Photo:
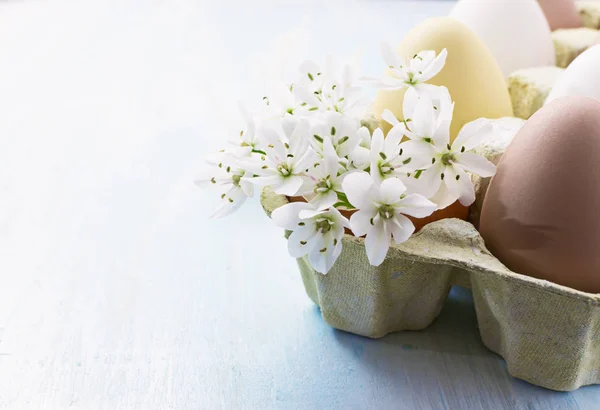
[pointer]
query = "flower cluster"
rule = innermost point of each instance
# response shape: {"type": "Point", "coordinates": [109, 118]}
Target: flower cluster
{"type": "Point", "coordinates": [308, 142]}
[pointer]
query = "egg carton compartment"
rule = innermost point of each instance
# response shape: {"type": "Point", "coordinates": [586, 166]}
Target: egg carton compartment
{"type": "Point", "coordinates": [529, 88]}
{"type": "Point", "coordinates": [570, 42]}
{"type": "Point", "coordinates": [548, 334]}
{"type": "Point", "coordinates": [590, 13]}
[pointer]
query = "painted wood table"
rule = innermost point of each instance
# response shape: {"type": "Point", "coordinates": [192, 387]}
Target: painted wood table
{"type": "Point", "coordinates": [117, 291]}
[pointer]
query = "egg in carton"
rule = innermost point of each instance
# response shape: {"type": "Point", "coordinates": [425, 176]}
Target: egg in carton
{"type": "Point", "coordinates": [548, 334]}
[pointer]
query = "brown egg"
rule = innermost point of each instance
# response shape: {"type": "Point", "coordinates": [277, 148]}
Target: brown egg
{"type": "Point", "coordinates": [541, 214]}
{"type": "Point", "coordinates": [561, 13]}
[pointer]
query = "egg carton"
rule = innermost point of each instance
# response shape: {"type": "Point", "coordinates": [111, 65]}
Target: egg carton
{"type": "Point", "coordinates": [570, 42]}
{"type": "Point", "coordinates": [590, 13]}
{"type": "Point", "coordinates": [548, 334]}
{"type": "Point", "coordinates": [529, 88]}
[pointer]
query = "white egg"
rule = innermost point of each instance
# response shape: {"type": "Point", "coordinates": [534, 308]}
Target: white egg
{"type": "Point", "coordinates": [516, 32]}
{"type": "Point", "coordinates": [582, 77]}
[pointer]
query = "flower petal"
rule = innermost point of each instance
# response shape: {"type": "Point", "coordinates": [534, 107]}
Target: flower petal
{"type": "Point", "coordinates": [422, 60]}
{"type": "Point", "coordinates": [264, 181]}
{"type": "Point", "coordinates": [318, 254]}
{"type": "Point", "coordinates": [321, 202]}
{"type": "Point", "coordinates": [473, 134]}
{"type": "Point", "coordinates": [423, 121]}
{"type": "Point", "coordinates": [231, 201]}
{"type": "Point", "coordinates": [299, 242]}
{"type": "Point", "coordinates": [389, 57]}
{"type": "Point", "coordinates": [389, 117]}
{"type": "Point", "coordinates": [305, 161]}
{"type": "Point", "coordinates": [393, 139]}
{"type": "Point", "coordinates": [308, 66]}
{"type": "Point", "coordinates": [247, 188]}
{"type": "Point", "coordinates": [357, 187]}
{"type": "Point", "coordinates": [373, 82]}
{"type": "Point", "coordinates": [401, 227]}
{"type": "Point", "coordinates": [364, 136]}
{"type": "Point", "coordinates": [441, 136]}
{"type": "Point", "coordinates": [476, 164]}
{"type": "Point", "coordinates": [305, 95]}
{"type": "Point", "coordinates": [330, 158]}
{"type": "Point", "coordinates": [360, 222]}
{"type": "Point", "coordinates": [391, 190]}
{"type": "Point", "coordinates": [227, 208]}
{"type": "Point", "coordinates": [269, 133]}
{"type": "Point", "coordinates": [377, 243]}
{"type": "Point", "coordinates": [420, 153]}
{"type": "Point", "coordinates": [360, 158]}
{"type": "Point", "coordinates": [442, 197]}
{"type": "Point", "coordinates": [416, 205]}
{"type": "Point", "coordinates": [435, 66]}
{"type": "Point", "coordinates": [392, 83]}
{"type": "Point", "coordinates": [377, 143]}
{"type": "Point", "coordinates": [459, 185]}
{"type": "Point", "coordinates": [411, 99]}
{"type": "Point", "coordinates": [289, 185]}
{"type": "Point", "coordinates": [334, 253]}
{"type": "Point", "coordinates": [287, 216]}
{"type": "Point", "coordinates": [340, 220]}
{"type": "Point", "coordinates": [443, 101]}
{"type": "Point", "coordinates": [430, 180]}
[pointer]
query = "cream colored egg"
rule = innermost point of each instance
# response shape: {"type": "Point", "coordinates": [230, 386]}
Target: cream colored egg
{"type": "Point", "coordinates": [516, 32]}
{"type": "Point", "coordinates": [471, 74]}
{"type": "Point", "coordinates": [582, 77]}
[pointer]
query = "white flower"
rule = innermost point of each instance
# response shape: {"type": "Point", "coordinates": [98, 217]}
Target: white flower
{"type": "Point", "coordinates": [360, 158]}
{"type": "Point", "coordinates": [228, 178]}
{"type": "Point", "coordinates": [311, 76]}
{"type": "Point", "coordinates": [341, 130]}
{"type": "Point", "coordinates": [287, 156]}
{"type": "Point", "coordinates": [322, 91]}
{"type": "Point", "coordinates": [427, 116]}
{"type": "Point", "coordinates": [325, 180]}
{"type": "Point", "coordinates": [381, 212]}
{"type": "Point", "coordinates": [248, 140]}
{"type": "Point", "coordinates": [389, 158]}
{"type": "Point", "coordinates": [283, 101]}
{"type": "Point", "coordinates": [421, 68]}
{"type": "Point", "coordinates": [317, 234]}
{"type": "Point", "coordinates": [444, 179]}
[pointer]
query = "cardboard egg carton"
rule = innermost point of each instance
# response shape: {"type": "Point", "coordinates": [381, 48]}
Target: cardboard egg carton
{"type": "Point", "coordinates": [590, 13]}
{"type": "Point", "coordinates": [570, 42]}
{"type": "Point", "coordinates": [548, 334]}
{"type": "Point", "coordinates": [529, 88]}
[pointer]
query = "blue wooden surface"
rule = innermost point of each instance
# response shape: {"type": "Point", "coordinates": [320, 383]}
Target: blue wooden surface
{"type": "Point", "coordinates": [118, 293]}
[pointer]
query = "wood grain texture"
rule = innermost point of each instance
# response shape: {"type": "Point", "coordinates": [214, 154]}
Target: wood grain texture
{"type": "Point", "coordinates": [118, 293]}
